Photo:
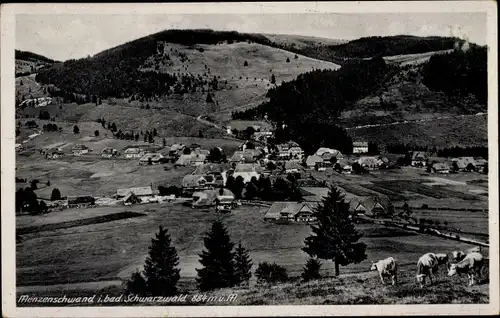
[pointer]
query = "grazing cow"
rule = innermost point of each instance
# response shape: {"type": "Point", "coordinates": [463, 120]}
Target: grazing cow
{"type": "Point", "coordinates": [442, 258]}
{"type": "Point", "coordinates": [458, 255]}
{"type": "Point", "coordinates": [386, 268]}
{"type": "Point", "coordinates": [471, 265]}
{"type": "Point", "coordinates": [427, 266]}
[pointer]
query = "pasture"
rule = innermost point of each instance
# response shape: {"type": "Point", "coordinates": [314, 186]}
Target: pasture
{"type": "Point", "coordinates": [111, 248]}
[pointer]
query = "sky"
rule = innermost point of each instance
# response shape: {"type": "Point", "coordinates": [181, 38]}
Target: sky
{"type": "Point", "coordinates": [64, 36]}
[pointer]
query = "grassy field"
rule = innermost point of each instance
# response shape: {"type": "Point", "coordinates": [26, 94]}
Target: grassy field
{"type": "Point", "coordinates": [113, 250]}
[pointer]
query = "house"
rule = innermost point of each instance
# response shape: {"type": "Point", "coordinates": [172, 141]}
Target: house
{"type": "Point", "coordinates": [222, 198]}
{"type": "Point", "coordinates": [374, 206]}
{"type": "Point", "coordinates": [215, 179]}
{"type": "Point", "coordinates": [289, 150]}
{"type": "Point", "coordinates": [131, 198]}
{"type": "Point", "coordinates": [54, 153]}
{"type": "Point", "coordinates": [134, 153]}
{"type": "Point", "coordinates": [197, 159]}
{"type": "Point", "coordinates": [247, 172]}
{"type": "Point", "coordinates": [480, 162]}
{"type": "Point", "coordinates": [246, 156]}
{"type": "Point", "coordinates": [81, 201]}
{"type": "Point", "coordinates": [140, 192]}
{"type": "Point", "coordinates": [312, 160]}
{"type": "Point", "coordinates": [327, 153]}
{"type": "Point", "coordinates": [194, 182]}
{"type": "Point", "coordinates": [262, 135]}
{"type": "Point", "coordinates": [323, 165]}
{"type": "Point", "coordinates": [347, 169]}
{"type": "Point", "coordinates": [360, 147]}
{"type": "Point", "coordinates": [204, 152]}
{"type": "Point", "coordinates": [463, 162]}
{"type": "Point", "coordinates": [370, 163]}
{"type": "Point", "coordinates": [176, 150]}
{"type": "Point", "coordinates": [419, 159]}
{"type": "Point", "coordinates": [441, 167]}
{"type": "Point", "coordinates": [109, 153]}
{"type": "Point", "coordinates": [292, 167]}
{"type": "Point", "coordinates": [79, 150]}
{"type": "Point", "coordinates": [183, 160]}
{"type": "Point", "coordinates": [151, 157]}
{"type": "Point", "coordinates": [290, 211]}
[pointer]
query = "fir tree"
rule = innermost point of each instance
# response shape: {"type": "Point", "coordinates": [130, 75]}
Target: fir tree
{"type": "Point", "coordinates": [243, 265]}
{"type": "Point", "coordinates": [161, 270]}
{"type": "Point", "coordinates": [334, 237]}
{"type": "Point", "coordinates": [136, 285]}
{"type": "Point", "coordinates": [311, 270]}
{"type": "Point", "coordinates": [76, 130]}
{"type": "Point", "coordinates": [217, 259]}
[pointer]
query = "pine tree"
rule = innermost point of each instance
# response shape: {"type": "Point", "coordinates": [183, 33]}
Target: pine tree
{"type": "Point", "coordinates": [311, 270]}
{"type": "Point", "coordinates": [273, 79]}
{"type": "Point", "coordinates": [218, 260]}
{"type": "Point", "coordinates": [243, 265]}
{"type": "Point", "coordinates": [76, 130]}
{"type": "Point", "coordinates": [161, 270]}
{"type": "Point", "coordinates": [334, 237]}
{"type": "Point", "coordinates": [56, 194]}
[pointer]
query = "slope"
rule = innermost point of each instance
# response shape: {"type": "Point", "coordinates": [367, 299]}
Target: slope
{"type": "Point", "coordinates": [28, 63]}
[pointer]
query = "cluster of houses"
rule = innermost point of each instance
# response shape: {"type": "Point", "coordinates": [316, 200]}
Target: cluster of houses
{"type": "Point", "coordinates": [444, 166]}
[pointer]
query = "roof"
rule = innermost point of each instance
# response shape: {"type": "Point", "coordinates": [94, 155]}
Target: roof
{"type": "Point", "coordinates": [246, 156]}
{"type": "Point", "coordinates": [131, 196]}
{"type": "Point", "coordinates": [177, 147]}
{"type": "Point", "coordinates": [245, 167]}
{"type": "Point", "coordinates": [419, 155]}
{"type": "Point", "coordinates": [247, 176]}
{"type": "Point", "coordinates": [311, 160]}
{"type": "Point", "coordinates": [293, 208]}
{"type": "Point", "coordinates": [137, 191]}
{"type": "Point", "coordinates": [462, 162]}
{"type": "Point", "coordinates": [369, 161]}
{"type": "Point", "coordinates": [209, 197]}
{"type": "Point", "coordinates": [191, 180]}
{"type": "Point", "coordinates": [203, 152]}
{"type": "Point", "coordinates": [360, 144]}
{"type": "Point", "coordinates": [314, 194]}
{"type": "Point", "coordinates": [369, 203]}
{"type": "Point", "coordinates": [197, 158]}
{"type": "Point", "coordinates": [79, 147]}
{"type": "Point", "coordinates": [292, 165]}
{"type": "Point", "coordinates": [184, 160]}
{"type": "Point", "coordinates": [133, 151]}
{"type": "Point", "coordinates": [153, 155]}
{"type": "Point", "coordinates": [441, 166]}
{"type": "Point", "coordinates": [333, 152]}
{"type": "Point", "coordinates": [211, 167]}
{"type": "Point", "coordinates": [288, 144]}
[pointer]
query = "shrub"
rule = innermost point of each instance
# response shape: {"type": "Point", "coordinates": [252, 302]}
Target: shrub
{"type": "Point", "coordinates": [56, 194]}
{"type": "Point", "coordinates": [270, 273]}
{"type": "Point", "coordinates": [311, 270]}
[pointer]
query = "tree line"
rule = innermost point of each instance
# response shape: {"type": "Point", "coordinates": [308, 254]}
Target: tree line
{"type": "Point", "coordinates": [457, 151]}
{"type": "Point", "coordinates": [333, 238]}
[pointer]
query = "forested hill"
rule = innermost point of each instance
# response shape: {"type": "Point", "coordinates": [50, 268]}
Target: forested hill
{"type": "Point", "coordinates": [27, 62]}
{"type": "Point", "coordinates": [29, 56]}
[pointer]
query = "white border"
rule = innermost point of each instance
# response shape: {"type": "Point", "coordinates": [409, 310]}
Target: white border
{"type": "Point", "coordinates": [7, 21]}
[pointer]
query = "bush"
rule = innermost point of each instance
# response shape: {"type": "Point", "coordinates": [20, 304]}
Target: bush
{"type": "Point", "coordinates": [56, 194]}
{"type": "Point", "coordinates": [311, 270]}
{"type": "Point", "coordinates": [270, 273]}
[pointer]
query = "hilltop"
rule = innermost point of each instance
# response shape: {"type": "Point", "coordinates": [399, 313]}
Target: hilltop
{"type": "Point", "coordinates": [28, 63]}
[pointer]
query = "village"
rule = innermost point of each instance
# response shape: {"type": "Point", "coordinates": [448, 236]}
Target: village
{"type": "Point", "coordinates": [279, 176]}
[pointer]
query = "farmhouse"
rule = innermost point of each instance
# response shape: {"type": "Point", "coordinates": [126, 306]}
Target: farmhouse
{"type": "Point", "coordinates": [463, 162]}
{"type": "Point", "coordinates": [360, 147]}
{"type": "Point", "coordinates": [134, 153]}
{"type": "Point", "coordinates": [312, 160]}
{"type": "Point", "coordinates": [194, 182]}
{"type": "Point", "coordinates": [291, 211]}
{"type": "Point", "coordinates": [131, 198]}
{"type": "Point", "coordinates": [54, 153]}
{"type": "Point", "coordinates": [140, 192]}
{"type": "Point", "coordinates": [292, 167]}
{"type": "Point", "coordinates": [246, 156]}
{"type": "Point", "coordinates": [198, 159]}
{"type": "Point", "coordinates": [370, 163]}
{"type": "Point", "coordinates": [419, 159]}
{"type": "Point", "coordinates": [327, 153]}
{"type": "Point", "coordinates": [79, 150]}
{"type": "Point", "coordinates": [176, 150]}
{"type": "Point", "coordinates": [480, 162]}
{"type": "Point", "coordinates": [222, 198]}
{"type": "Point", "coordinates": [109, 153]}
{"type": "Point", "coordinates": [374, 206]}
{"type": "Point", "coordinates": [247, 172]}
{"type": "Point", "coordinates": [290, 150]}
{"type": "Point", "coordinates": [441, 167]}
{"type": "Point", "coordinates": [81, 201]}
{"type": "Point", "coordinates": [152, 157]}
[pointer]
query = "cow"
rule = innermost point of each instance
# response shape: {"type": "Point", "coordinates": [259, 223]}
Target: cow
{"type": "Point", "coordinates": [442, 258]}
{"type": "Point", "coordinates": [458, 255]}
{"type": "Point", "coordinates": [472, 265]}
{"type": "Point", "coordinates": [427, 266]}
{"type": "Point", "coordinates": [386, 268]}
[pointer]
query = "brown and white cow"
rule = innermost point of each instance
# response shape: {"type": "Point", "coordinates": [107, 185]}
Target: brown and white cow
{"type": "Point", "coordinates": [386, 268]}
{"type": "Point", "coordinates": [458, 256]}
{"type": "Point", "coordinates": [470, 265]}
{"type": "Point", "coordinates": [427, 266]}
{"type": "Point", "coordinates": [442, 258]}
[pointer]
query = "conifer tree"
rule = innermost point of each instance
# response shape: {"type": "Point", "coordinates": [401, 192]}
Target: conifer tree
{"type": "Point", "coordinates": [160, 270]}
{"type": "Point", "coordinates": [311, 270]}
{"type": "Point", "coordinates": [334, 237]}
{"type": "Point", "coordinates": [217, 259]}
{"type": "Point", "coordinates": [243, 265]}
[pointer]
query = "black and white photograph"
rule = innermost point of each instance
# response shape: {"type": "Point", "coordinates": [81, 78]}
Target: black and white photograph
{"type": "Point", "coordinates": [198, 159]}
